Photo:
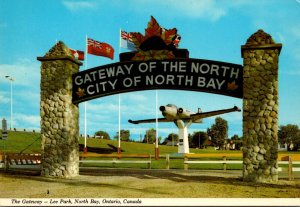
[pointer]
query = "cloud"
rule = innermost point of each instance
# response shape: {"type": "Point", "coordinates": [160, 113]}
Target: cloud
{"type": "Point", "coordinates": [233, 117]}
{"type": "Point", "coordinates": [135, 97]}
{"type": "Point", "coordinates": [26, 90]}
{"type": "Point", "coordinates": [4, 98]}
{"type": "Point", "coordinates": [204, 9]}
{"type": "Point", "coordinates": [28, 96]}
{"type": "Point", "coordinates": [75, 6]}
{"type": "Point", "coordinates": [291, 72]}
{"type": "Point", "coordinates": [24, 72]}
{"type": "Point", "coordinates": [26, 121]}
{"type": "Point", "coordinates": [208, 9]}
{"type": "Point", "coordinates": [295, 31]}
{"type": "Point", "coordinates": [103, 108]}
{"type": "Point", "coordinates": [279, 37]}
{"type": "Point", "coordinates": [103, 114]}
{"type": "Point", "coordinates": [294, 37]}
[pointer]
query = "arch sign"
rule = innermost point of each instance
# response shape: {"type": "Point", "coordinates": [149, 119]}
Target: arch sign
{"type": "Point", "coordinates": [158, 64]}
{"type": "Point", "coordinates": [178, 74]}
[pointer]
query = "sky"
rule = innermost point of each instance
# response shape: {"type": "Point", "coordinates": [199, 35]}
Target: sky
{"type": "Point", "coordinates": [210, 29]}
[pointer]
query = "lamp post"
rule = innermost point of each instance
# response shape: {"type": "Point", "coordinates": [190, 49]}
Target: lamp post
{"type": "Point", "coordinates": [11, 79]}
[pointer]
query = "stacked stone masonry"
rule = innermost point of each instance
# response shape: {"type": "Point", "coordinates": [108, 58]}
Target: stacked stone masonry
{"type": "Point", "coordinates": [59, 117]}
{"type": "Point", "coordinates": [260, 108]}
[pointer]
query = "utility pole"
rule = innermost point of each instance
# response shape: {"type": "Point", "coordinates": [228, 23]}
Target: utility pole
{"type": "Point", "coordinates": [11, 79]}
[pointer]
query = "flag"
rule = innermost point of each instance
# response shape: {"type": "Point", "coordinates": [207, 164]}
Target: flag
{"type": "Point", "coordinates": [99, 48]}
{"type": "Point", "coordinates": [126, 41]}
{"type": "Point", "coordinates": [79, 55]}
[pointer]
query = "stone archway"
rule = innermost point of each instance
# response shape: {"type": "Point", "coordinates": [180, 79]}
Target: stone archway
{"type": "Point", "coordinates": [260, 108]}
{"type": "Point", "coordinates": [59, 116]}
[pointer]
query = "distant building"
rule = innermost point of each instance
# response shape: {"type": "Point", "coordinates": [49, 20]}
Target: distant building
{"type": "Point", "coordinates": [282, 147]}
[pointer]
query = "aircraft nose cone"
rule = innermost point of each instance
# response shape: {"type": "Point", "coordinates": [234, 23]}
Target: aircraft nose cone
{"type": "Point", "coordinates": [162, 108]}
{"type": "Point", "coordinates": [236, 108]}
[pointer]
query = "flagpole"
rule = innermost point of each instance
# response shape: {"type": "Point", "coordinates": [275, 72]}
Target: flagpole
{"type": "Point", "coordinates": [119, 137]}
{"type": "Point", "coordinates": [156, 121]}
{"type": "Point", "coordinates": [119, 114]}
{"type": "Point", "coordinates": [85, 146]}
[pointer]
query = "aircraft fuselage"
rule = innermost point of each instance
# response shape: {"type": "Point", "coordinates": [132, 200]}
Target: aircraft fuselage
{"type": "Point", "coordinates": [173, 113]}
{"type": "Point", "coordinates": [183, 119]}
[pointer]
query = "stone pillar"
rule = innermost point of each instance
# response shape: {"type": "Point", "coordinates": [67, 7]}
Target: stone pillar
{"type": "Point", "coordinates": [260, 108]}
{"type": "Point", "coordinates": [59, 116]}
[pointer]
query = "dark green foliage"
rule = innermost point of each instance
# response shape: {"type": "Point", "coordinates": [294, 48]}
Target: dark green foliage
{"type": "Point", "coordinates": [102, 135]}
{"type": "Point", "coordinates": [171, 137]}
{"type": "Point", "coordinates": [289, 134]}
{"type": "Point", "coordinates": [218, 131]}
{"type": "Point", "coordinates": [198, 139]}
{"type": "Point", "coordinates": [150, 136]}
{"type": "Point", "coordinates": [125, 135]}
{"type": "Point", "coordinates": [237, 141]}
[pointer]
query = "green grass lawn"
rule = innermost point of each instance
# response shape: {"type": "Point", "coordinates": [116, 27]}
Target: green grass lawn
{"type": "Point", "coordinates": [29, 142]}
{"type": "Point", "coordinates": [143, 148]}
{"type": "Point", "coordinates": [21, 142]}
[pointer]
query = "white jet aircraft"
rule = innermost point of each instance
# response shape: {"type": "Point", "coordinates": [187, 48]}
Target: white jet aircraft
{"type": "Point", "coordinates": [183, 119]}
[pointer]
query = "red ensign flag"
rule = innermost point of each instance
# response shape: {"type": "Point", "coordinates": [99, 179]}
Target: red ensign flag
{"type": "Point", "coordinates": [79, 55]}
{"type": "Point", "coordinates": [99, 48]}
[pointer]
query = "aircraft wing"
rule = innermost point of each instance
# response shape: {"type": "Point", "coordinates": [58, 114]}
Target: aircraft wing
{"type": "Point", "coordinates": [148, 121]}
{"type": "Point", "coordinates": [202, 115]}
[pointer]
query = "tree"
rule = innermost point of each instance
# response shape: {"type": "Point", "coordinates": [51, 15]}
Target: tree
{"type": "Point", "coordinates": [171, 137]}
{"type": "Point", "coordinates": [218, 131]}
{"type": "Point", "coordinates": [150, 136]}
{"type": "Point", "coordinates": [198, 139]}
{"type": "Point", "coordinates": [102, 135]}
{"type": "Point", "coordinates": [125, 135]}
{"type": "Point", "coordinates": [289, 134]}
{"type": "Point", "coordinates": [237, 141]}
{"type": "Point", "coordinates": [235, 137]}
{"type": "Point", "coordinates": [159, 139]}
